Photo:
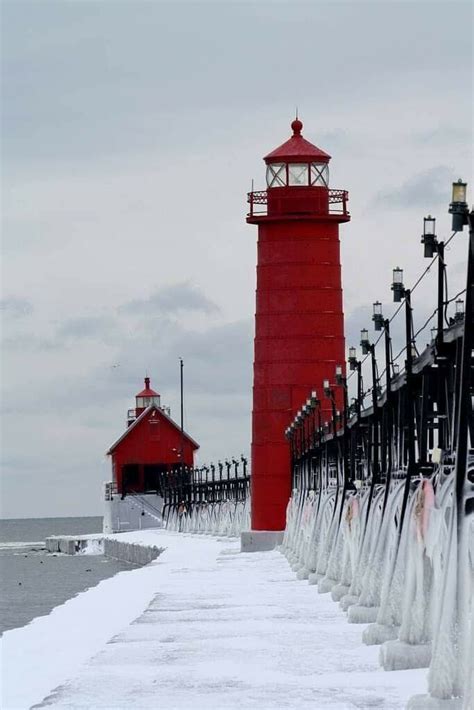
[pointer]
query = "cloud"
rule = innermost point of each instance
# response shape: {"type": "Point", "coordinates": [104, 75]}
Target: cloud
{"type": "Point", "coordinates": [30, 342]}
{"type": "Point", "coordinates": [91, 327]}
{"type": "Point", "coordinates": [443, 135]}
{"type": "Point", "coordinates": [426, 190]}
{"type": "Point", "coordinates": [172, 299]}
{"type": "Point", "coordinates": [16, 307]}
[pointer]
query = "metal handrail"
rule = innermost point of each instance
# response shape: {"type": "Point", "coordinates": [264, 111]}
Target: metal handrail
{"type": "Point", "coordinates": [335, 197]}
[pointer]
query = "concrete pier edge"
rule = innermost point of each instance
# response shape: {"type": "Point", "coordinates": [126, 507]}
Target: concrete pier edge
{"type": "Point", "coordinates": [133, 553]}
{"type": "Point", "coordinates": [260, 540]}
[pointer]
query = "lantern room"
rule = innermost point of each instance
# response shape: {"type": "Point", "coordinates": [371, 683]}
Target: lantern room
{"type": "Point", "coordinates": [146, 397]}
{"type": "Point", "coordinates": [297, 163]}
{"type": "Point", "coordinates": [297, 178]}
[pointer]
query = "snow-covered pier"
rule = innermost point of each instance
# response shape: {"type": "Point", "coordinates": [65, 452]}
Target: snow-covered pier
{"type": "Point", "coordinates": [110, 546]}
{"type": "Point", "coordinates": [202, 626]}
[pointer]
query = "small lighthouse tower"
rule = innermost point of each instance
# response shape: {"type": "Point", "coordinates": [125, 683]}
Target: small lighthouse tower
{"type": "Point", "coordinates": [299, 328]}
{"type": "Point", "coordinates": [143, 399]}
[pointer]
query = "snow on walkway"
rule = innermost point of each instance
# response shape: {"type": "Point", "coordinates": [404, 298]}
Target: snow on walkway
{"type": "Point", "coordinates": [219, 629]}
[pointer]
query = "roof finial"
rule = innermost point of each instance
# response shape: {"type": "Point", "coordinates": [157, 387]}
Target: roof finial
{"type": "Point", "coordinates": [296, 113]}
{"type": "Point", "coordinates": [297, 125]}
{"type": "Point", "coordinates": [147, 382]}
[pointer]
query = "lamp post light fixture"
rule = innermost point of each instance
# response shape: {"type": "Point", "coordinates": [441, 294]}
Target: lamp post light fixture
{"type": "Point", "coordinates": [458, 207]}
{"type": "Point", "coordinates": [459, 312]}
{"type": "Point", "coordinates": [396, 369]}
{"type": "Point", "coordinates": [429, 236]}
{"type": "Point", "coordinates": [341, 381]}
{"type": "Point", "coordinates": [434, 333]}
{"type": "Point", "coordinates": [326, 388]}
{"type": "Point", "coordinates": [352, 358]}
{"type": "Point", "coordinates": [328, 392]}
{"type": "Point", "coordinates": [377, 316]}
{"type": "Point", "coordinates": [397, 285]}
{"type": "Point", "coordinates": [364, 341]}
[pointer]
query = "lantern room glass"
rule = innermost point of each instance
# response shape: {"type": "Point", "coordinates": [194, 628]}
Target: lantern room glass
{"type": "Point", "coordinates": [276, 175]}
{"type": "Point", "coordinates": [319, 175]}
{"type": "Point", "coordinates": [298, 174]}
{"type": "Point", "coordinates": [144, 402]}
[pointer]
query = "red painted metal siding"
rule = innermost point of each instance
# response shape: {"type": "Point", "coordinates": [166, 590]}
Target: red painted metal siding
{"type": "Point", "coordinates": [299, 339]}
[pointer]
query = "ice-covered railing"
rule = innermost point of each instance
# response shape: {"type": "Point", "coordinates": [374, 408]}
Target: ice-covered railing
{"type": "Point", "coordinates": [225, 518]}
{"type": "Point", "coordinates": [210, 499]}
{"type": "Point", "coordinates": [413, 586]}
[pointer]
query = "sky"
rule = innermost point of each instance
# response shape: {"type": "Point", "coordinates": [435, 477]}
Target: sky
{"type": "Point", "coordinates": [131, 132]}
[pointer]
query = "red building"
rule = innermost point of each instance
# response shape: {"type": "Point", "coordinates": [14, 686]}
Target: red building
{"type": "Point", "coordinates": [152, 444]}
{"type": "Point", "coordinates": [299, 326]}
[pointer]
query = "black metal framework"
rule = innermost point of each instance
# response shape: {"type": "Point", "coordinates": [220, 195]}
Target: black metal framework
{"type": "Point", "coordinates": [228, 481]}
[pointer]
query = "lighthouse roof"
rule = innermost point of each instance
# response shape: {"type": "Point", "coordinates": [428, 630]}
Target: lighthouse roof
{"type": "Point", "coordinates": [297, 149]}
{"type": "Point", "coordinates": [145, 415]}
{"type": "Point", "coordinates": [147, 392]}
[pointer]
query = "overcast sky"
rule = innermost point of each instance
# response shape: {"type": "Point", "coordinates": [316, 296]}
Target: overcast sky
{"type": "Point", "coordinates": [131, 132]}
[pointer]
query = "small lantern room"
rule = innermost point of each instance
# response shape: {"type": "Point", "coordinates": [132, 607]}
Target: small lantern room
{"type": "Point", "coordinates": [297, 163]}
{"type": "Point", "coordinates": [146, 397]}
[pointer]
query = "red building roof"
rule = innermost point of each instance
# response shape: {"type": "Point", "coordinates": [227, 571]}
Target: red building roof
{"type": "Point", "coordinates": [147, 392]}
{"type": "Point", "coordinates": [142, 416]}
{"type": "Point", "coordinates": [297, 149]}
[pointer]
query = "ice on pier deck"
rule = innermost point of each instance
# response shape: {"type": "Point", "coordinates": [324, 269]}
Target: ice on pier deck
{"type": "Point", "coordinates": [220, 629]}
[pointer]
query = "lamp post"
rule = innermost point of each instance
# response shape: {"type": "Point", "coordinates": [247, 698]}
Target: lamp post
{"type": "Point", "coordinates": [433, 246]}
{"type": "Point", "coordinates": [383, 323]}
{"type": "Point", "coordinates": [461, 217]}
{"type": "Point", "coordinates": [399, 292]}
{"type": "Point", "coordinates": [355, 364]}
{"type": "Point", "coordinates": [329, 393]}
{"type": "Point", "coordinates": [368, 347]}
{"type": "Point", "coordinates": [181, 449]}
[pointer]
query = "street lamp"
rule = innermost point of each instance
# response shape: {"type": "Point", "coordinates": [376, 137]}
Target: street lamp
{"type": "Point", "coordinates": [352, 358]}
{"type": "Point", "coordinates": [458, 207]}
{"type": "Point", "coordinates": [459, 312]}
{"type": "Point", "coordinates": [377, 316]}
{"type": "Point", "coordinates": [429, 236]}
{"type": "Point", "coordinates": [397, 285]}
{"type": "Point", "coordinates": [364, 341]}
{"type": "Point", "coordinates": [326, 388]}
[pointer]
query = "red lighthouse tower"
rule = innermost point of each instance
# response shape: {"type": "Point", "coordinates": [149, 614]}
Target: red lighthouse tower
{"type": "Point", "coordinates": [299, 327]}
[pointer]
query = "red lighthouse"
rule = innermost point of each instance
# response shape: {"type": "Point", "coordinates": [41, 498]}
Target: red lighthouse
{"type": "Point", "coordinates": [299, 328]}
{"type": "Point", "coordinates": [151, 446]}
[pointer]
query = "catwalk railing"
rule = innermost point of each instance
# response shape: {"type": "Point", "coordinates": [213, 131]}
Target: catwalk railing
{"type": "Point", "coordinates": [382, 509]}
{"type": "Point", "coordinates": [210, 499]}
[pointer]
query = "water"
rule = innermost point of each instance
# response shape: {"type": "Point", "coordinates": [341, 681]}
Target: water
{"type": "Point", "coordinates": [32, 581]}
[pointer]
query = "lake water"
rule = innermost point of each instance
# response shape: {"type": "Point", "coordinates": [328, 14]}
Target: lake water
{"type": "Point", "coordinates": [32, 581]}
